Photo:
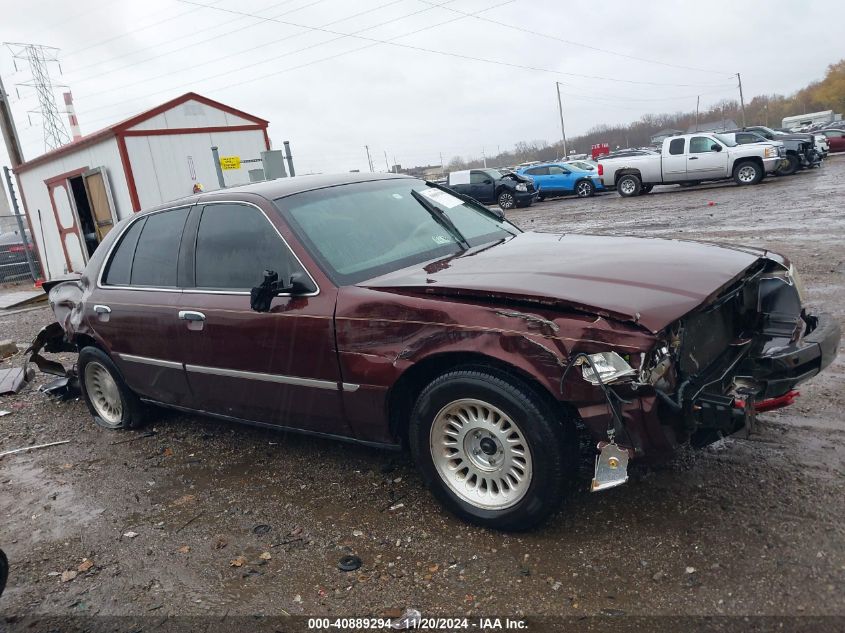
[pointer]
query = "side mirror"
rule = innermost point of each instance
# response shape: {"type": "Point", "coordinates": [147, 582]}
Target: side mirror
{"type": "Point", "coordinates": [261, 297]}
{"type": "Point", "coordinates": [715, 147]}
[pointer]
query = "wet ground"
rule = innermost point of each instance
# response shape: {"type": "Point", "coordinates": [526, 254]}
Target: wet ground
{"type": "Point", "coordinates": [192, 516]}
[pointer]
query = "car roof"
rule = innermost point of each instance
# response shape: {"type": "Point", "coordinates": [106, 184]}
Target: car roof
{"type": "Point", "coordinates": [282, 187]}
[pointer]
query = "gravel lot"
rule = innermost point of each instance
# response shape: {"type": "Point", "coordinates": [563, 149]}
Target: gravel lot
{"type": "Point", "coordinates": [747, 527]}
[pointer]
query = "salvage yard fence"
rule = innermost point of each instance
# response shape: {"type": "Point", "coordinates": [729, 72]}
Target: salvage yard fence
{"type": "Point", "coordinates": [18, 260]}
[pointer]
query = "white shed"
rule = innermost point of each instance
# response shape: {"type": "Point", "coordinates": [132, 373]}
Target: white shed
{"type": "Point", "coordinates": [74, 195]}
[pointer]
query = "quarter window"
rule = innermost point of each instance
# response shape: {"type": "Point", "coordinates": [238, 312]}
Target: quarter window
{"type": "Point", "coordinates": [119, 270]}
{"type": "Point", "coordinates": [235, 245]}
{"type": "Point", "coordinates": [676, 146]}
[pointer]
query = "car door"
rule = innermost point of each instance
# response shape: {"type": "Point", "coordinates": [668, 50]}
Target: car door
{"type": "Point", "coordinates": [482, 186]}
{"type": "Point", "coordinates": [131, 311]}
{"type": "Point", "coordinates": [675, 161]}
{"type": "Point", "coordinates": [836, 140]}
{"type": "Point", "coordinates": [561, 179]}
{"type": "Point", "coordinates": [540, 176]}
{"type": "Point", "coordinates": [278, 367]}
{"type": "Point", "coordinates": [704, 161]}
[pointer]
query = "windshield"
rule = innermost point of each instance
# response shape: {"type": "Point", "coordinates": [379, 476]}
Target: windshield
{"type": "Point", "coordinates": [726, 140]}
{"type": "Point", "coordinates": [361, 230]}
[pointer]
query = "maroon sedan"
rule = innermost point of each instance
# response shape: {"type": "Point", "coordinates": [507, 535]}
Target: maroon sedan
{"type": "Point", "coordinates": [386, 310]}
{"type": "Point", "coordinates": [835, 139]}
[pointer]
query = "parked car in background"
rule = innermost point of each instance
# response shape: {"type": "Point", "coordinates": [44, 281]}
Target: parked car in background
{"type": "Point", "coordinates": [690, 159]}
{"type": "Point", "coordinates": [491, 186]}
{"type": "Point", "coordinates": [786, 166]}
{"type": "Point", "coordinates": [13, 264]}
{"type": "Point", "coordinates": [586, 164]}
{"type": "Point", "coordinates": [558, 179]}
{"type": "Point", "coordinates": [399, 313]}
{"type": "Point", "coordinates": [835, 139]}
{"type": "Point", "coordinates": [813, 147]}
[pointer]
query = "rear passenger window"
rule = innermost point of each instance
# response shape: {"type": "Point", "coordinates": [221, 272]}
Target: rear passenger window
{"type": "Point", "coordinates": [157, 252]}
{"type": "Point", "coordinates": [235, 245]}
{"type": "Point", "coordinates": [120, 267]}
{"type": "Point", "coordinates": [676, 146]}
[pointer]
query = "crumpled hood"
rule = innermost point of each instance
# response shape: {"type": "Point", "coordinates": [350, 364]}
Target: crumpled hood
{"type": "Point", "coordinates": [651, 281]}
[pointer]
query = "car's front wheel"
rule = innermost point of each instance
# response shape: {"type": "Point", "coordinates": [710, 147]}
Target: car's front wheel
{"type": "Point", "coordinates": [506, 200]}
{"type": "Point", "coordinates": [110, 401]}
{"type": "Point", "coordinates": [491, 450]}
{"type": "Point", "coordinates": [788, 166]}
{"type": "Point", "coordinates": [585, 189]}
{"type": "Point", "coordinates": [748, 173]}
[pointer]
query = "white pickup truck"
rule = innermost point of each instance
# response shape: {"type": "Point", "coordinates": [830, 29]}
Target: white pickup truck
{"type": "Point", "coordinates": [690, 159]}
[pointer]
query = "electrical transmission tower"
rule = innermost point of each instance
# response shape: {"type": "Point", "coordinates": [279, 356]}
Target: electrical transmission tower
{"type": "Point", "coordinates": [39, 57]}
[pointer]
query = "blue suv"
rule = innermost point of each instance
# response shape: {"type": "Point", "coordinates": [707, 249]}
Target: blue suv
{"type": "Point", "coordinates": [556, 179]}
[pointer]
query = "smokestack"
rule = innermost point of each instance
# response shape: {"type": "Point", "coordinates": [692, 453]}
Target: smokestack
{"type": "Point", "coordinates": [71, 115]}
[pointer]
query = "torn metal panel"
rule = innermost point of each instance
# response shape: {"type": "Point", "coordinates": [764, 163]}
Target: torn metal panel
{"type": "Point", "coordinates": [531, 318]}
{"type": "Point", "coordinates": [12, 380]}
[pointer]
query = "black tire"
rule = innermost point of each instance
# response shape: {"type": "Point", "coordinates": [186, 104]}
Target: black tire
{"type": "Point", "coordinates": [789, 166]}
{"type": "Point", "coordinates": [506, 199]}
{"type": "Point", "coordinates": [552, 447]}
{"type": "Point", "coordinates": [647, 188]}
{"type": "Point", "coordinates": [748, 172]}
{"type": "Point", "coordinates": [97, 391]}
{"type": "Point", "coordinates": [629, 186]}
{"type": "Point", "coordinates": [4, 571]}
{"type": "Point", "coordinates": [540, 197]}
{"type": "Point", "coordinates": [585, 189]}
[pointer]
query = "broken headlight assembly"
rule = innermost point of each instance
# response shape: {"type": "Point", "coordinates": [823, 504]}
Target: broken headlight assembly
{"type": "Point", "coordinates": [610, 367]}
{"type": "Point", "coordinates": [522, 186]}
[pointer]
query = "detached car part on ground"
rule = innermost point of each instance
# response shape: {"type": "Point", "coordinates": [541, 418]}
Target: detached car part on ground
{"type": "Point", "coordinates": [491, 186]}
{"type": "Point", "coordinates": [394, 313]}
{"type": "Point", "coordinates": [691, 159]}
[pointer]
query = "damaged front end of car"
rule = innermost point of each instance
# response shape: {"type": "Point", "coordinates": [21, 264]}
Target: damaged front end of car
{"type": "Point", "coordinates": [710, 372]}
{"type": "Point", "coordinates": [66, 300]}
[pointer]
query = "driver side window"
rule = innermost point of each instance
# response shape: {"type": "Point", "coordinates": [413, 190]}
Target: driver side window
{"type": "Point", "coordinates": [700, 144]}
{"type": "Point", "coordinates": [478, 178]}
{"type": "Point", "coordinates": [554, 170]}
{"type": "Point", "coordinates": [235, 244]}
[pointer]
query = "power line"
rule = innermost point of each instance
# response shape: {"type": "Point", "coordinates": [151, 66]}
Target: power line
{"type": "Point", "coordinates": [229, 55]}
{"type": "Point", "coordinates": [438, 52]}
{"type": "Point", "coordinates": [216, 75]}
{"type": "Point", "coordinates": [138, 30]}
{"type": "Point", "coordinates": [99, 74]}
{"type": "Point", "coordinates": [580, 44]}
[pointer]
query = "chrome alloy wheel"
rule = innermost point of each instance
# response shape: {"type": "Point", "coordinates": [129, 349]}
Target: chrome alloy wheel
{"type": "Point", "coordinates": [583, 189]}
{"type": "Point", "coordinates": [506, 201]}
{"type": "Point", "coordinates": [628, 186]}
{"type": "Point", "coordinates": [104, 393]}
{"type": "Point", "coordinates": [480, 454]}
{"type": "Point", "coordinates": [746, 174]}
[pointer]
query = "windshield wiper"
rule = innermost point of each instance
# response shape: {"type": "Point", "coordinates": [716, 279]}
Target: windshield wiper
{"type": "Point", "coordinates": [441, 218]}
{"type": "Point", "coordinates": [497, 215]}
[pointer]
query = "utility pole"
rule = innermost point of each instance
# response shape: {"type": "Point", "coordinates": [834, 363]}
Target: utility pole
{"type": "Point", "coordinates": [484, 157]}
{"type": "Point", "coordinates": [562, 127]}
{"type": "Point", "coordinates": [386, 162]}
{"type": "Point", "coordinates": [369, 160]}
{"type": "Point", "coordinates": [8, 129]}
{"type": "Point", "coordinates": [741, 100]}
{"type": "Point", "coordinates": [697, 101]}
{"type": "Point", "coordinates": [38, 57]}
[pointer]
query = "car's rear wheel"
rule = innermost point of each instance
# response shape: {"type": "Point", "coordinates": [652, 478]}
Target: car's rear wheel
{"type": "Point", "coordinates": [110, 401]}
{"type": "Point", "coordinates": [788, 166]}
{"type": "Point", "coordinates": [748, 173]}
{"type": "Point", "coordinates": [629, 185]}
{"type": "Point", "coordinates": [506, 200]}
{"type": "Point", "coordinates": [585, 189]}
{"type": "Point", "coordinates": [490, 449]}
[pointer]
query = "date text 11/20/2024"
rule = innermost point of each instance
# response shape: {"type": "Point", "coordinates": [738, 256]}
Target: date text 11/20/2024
{"type": "Point", "coordinates": [418, 623]}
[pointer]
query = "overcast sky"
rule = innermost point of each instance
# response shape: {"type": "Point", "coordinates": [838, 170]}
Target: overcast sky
{"type": "Point", "coordinates": [423, 94]}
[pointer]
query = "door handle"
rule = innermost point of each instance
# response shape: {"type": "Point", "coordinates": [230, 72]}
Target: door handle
{"type": "Point", "coordinates": [693, 158]}
{"type": "Point", "coordinates": [103, 312]}
{"type": "Point", "coordinates": [191, 315]}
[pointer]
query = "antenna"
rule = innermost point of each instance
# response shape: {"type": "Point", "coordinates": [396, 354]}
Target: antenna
{"type": "Point", "coordinates": [39, 57]}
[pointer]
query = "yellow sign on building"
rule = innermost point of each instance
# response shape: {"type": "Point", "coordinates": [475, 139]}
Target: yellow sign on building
{"type": "Point", "coordinates": [230, 162]}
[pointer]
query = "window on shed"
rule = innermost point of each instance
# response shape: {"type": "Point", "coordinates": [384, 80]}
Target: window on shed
{"type": "Point", "coordinates": [676, 146]}
{"type": "Point", "coordinates": [157, 253]}
{"type": "Point", "coordinates": [119, 268]}
{"type": "Point", "coordinates": [235, 245]}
